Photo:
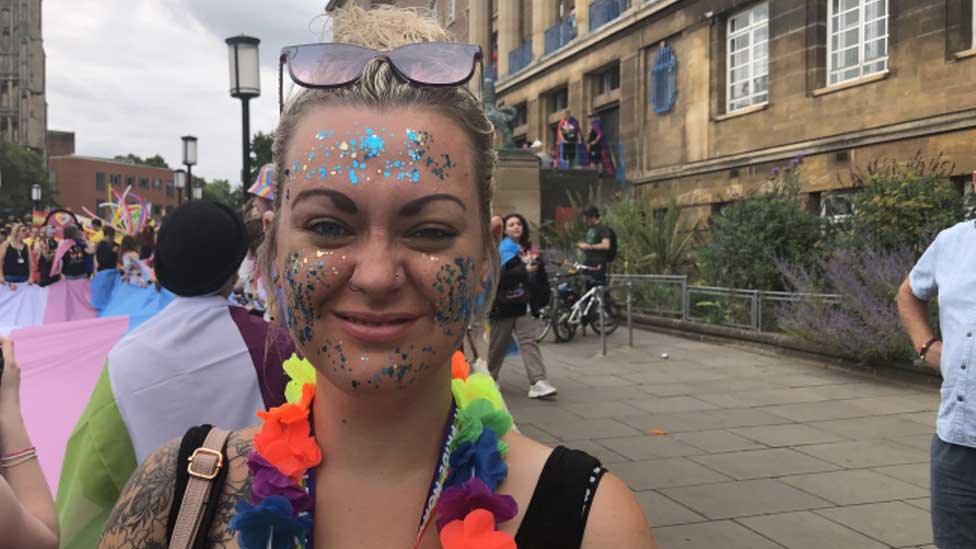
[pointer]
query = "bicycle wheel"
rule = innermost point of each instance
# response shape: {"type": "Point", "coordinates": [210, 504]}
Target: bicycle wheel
{"type": "Point", "coordinates": [610, 321]}
{"type": "Point", "coordinates": [544, 323]}
{"type": "Point", "coordinates": [565, 332]}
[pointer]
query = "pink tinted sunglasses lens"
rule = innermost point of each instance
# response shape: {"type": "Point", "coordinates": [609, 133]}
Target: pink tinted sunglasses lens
{"type": "Point", "coordinates": [435, 64]}
{"type": "Point", "coordinates": [328, 64]}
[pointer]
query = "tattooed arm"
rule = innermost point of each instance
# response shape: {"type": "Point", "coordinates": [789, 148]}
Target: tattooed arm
{"type": "Point", "coordinates": [139, 517]}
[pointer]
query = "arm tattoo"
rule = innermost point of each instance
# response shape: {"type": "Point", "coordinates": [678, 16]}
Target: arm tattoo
{"type": "Point", "coordinates": [139, 517]}
{"type": "Point", "coordinates": [237, 488]}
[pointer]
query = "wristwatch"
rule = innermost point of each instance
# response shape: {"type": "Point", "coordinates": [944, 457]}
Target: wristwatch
{"type": "Point", "coordinates": [925, 348]}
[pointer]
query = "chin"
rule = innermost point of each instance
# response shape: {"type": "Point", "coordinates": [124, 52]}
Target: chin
{"type": "Point", "coordinates": [360, 365]}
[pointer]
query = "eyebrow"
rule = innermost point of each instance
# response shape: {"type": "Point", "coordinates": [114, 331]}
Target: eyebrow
{"type": "Point", "coordinates": [415, 206]}
{"type": "Point", "coordinates": [340, 200]}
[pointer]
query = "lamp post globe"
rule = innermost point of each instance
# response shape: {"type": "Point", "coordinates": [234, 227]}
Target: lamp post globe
{"type": "Point", "coordinates": [189, 159]}
{"type": "Point", "coordinates": [245, 83]}
{"type": "Point", "coordinates": [179, 177]}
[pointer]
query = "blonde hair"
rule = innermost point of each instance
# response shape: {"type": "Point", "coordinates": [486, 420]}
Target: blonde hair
{"type": "Point", "coordinates": [14, 231]}
{"type": "Point", "coordinates": [385, 28]}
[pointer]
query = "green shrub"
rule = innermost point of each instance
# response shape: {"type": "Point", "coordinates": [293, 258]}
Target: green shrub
{"type": "Point", "coordinates": [749, 237]}
{"type": "Point", "coordinates": [903, 206]}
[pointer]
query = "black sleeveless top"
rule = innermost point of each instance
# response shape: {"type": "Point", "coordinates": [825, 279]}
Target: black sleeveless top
{"type": "Point", "coordinates": [555, 519]}
{"type": "Point", "coordinates": [16, 262]}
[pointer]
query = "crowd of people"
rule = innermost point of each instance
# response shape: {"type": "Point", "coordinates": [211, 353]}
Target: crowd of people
{"type": "Point", "coordinates": [571, 150]}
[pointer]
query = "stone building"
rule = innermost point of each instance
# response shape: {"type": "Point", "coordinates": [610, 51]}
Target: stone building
{"type": "Point", "coordinates": [702, 98]}
{"type": "Point", "coordinates": [23, 107]}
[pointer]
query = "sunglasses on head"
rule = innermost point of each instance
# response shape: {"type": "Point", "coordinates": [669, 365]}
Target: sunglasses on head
{"type": "Point", "coordinates": [332, 65]}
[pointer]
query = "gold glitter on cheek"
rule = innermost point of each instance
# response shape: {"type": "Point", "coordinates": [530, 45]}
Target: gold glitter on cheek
{"type": "Point", "coordinates": [319, 253]}
{"type": "Point", "coordinates": [343, 146]}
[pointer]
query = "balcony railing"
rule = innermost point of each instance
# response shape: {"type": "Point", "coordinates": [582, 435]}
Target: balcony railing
{"type": "Point", "coordinates": [610, 162]}
{"type": "Point", "coordinates": [604, 11]}
{"type": "Point", "coordinates": [560, 34]}
{"type": "Point", "coordinates": [520, 57]}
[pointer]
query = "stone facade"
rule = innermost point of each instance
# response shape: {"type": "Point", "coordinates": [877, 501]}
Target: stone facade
{"type": "Point", "coordinates": [924, 102]}
{"type": "Point", "coordinates": [23, 107]}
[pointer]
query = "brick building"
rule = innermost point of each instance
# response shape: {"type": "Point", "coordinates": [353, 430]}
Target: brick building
{"type": "Point", "coordinates": [23, 107]}
{"type": "Point", "coordinates": [82, 181]}
{"type": "Point", "coordinates": [702, 98]}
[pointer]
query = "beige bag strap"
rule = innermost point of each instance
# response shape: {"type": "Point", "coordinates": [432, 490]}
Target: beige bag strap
{"type": "Point", "coordinates": [204, 466]}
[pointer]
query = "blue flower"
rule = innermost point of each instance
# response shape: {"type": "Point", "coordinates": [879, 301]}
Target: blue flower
{"type": "Point", "coordinates": [481, 460]}
{"type": "Point", "coordinates": [273, 518]}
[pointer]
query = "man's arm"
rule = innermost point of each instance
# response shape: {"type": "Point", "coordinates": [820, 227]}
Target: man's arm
{"type": "Point", "coordinates": [603, 245]}
{"type": "Point", "coordinates": [914, 314]}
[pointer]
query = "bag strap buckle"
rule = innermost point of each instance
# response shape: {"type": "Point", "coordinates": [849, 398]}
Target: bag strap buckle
{"type": "Point", "coordinates": [197, 458]}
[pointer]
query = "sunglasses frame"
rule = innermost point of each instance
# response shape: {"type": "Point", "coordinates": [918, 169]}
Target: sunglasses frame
{"type": "Point", "coordinates": [288, 52]}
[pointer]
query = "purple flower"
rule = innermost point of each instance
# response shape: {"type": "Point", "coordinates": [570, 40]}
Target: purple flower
{"type": "Point", "coordinates": [269, 481]}
{"type": "Point", "coordinates": [271, 523]}
{"type": "Point", "coordinates": [458, 501]}
{"type": "Point", "coordinates": [481, 460]}
{"type": "Point", "coordinates": [774, 172]}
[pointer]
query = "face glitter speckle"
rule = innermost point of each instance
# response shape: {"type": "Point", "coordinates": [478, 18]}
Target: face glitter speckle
{"type": "Point", "coordinates": [455, 305]}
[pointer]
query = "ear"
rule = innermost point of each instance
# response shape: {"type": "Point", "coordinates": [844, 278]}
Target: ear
{"type": "Point", "coordinates": [266, 219]}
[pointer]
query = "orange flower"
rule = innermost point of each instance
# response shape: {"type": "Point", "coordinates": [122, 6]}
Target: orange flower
{"type": "Point", "coordinates": [459, 366]}
{"type": "Point", "coordinates": [476, 531]}
{"type": "Point", "coordinates": [284, 440]}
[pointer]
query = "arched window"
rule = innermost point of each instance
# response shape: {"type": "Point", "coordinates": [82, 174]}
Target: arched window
{"type": "Point", "coordinates": [663, 84]}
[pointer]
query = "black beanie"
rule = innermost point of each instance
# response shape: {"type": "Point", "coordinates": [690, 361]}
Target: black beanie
{"type": "Point", "coordinates": [200, 246]}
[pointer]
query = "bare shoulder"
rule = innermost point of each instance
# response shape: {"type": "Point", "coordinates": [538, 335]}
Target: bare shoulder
{"type": "Point", "coordinates": [140, 515]}
{"type": "Point", "coordinates": [616, 519]}
{"type": "Point", "coordinates": [237, 487]}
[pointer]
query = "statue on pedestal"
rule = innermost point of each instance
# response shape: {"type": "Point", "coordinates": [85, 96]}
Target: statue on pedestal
{"type": "Point", "coordinates": [501, 117]}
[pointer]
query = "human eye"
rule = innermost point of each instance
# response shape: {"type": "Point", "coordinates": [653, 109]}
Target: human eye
{"type": "Point", "coordinates": [328, 229]}
{"type": "Point", "coordinates": [433, 233]}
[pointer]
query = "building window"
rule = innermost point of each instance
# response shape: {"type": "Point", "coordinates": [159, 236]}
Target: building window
{"type": "Point", "coordinates": [663, 82]}
{"type": "Point", "coordinates": [130, 181]}
{"type": "Point", "coordinates": [748, 62]}
{"type": "Point", "coordinates": [837, 206]}
{"type": "Point", "coordinates": [143, 183]}
{"type": "Point", "coordinates": [558, 100]}
{"type": "Point", "coordinates": [99, 181]}
{"type": "Point", "coordinates": [606, 81]}
{"type": "Point", "coordinates": [116, 180]}
{"type": "Point", "coordinates": [451, 11]}
{"type": "Point", "coordinates": [169, 188]}
{"type": "Point", "coordinates": [157, 183]}
{"type": "Point", "coordinates": [857, 42]}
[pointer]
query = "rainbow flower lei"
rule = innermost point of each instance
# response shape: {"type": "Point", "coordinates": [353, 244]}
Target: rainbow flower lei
{"type": "Point", "coordinates": [280, 512]}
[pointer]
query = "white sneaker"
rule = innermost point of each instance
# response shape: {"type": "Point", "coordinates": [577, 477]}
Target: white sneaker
{"type": "Point", "coordinates": [540, 389]}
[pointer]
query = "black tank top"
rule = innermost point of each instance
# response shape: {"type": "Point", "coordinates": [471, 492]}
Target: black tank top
{"type": "Point", "coordinates": [555, 519]}
{"type": "Point", "coordinates": [16, 262]}
{"type": "Point", "coordinates": [75, 261]}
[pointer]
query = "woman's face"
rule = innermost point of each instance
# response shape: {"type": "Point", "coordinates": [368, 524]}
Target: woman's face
{"type": "Point", "coordinates": [513, 228]}
{"type": "Point", "coordinates": [379, 243]}
{"type": "Point", "coordinates": [23, 233]}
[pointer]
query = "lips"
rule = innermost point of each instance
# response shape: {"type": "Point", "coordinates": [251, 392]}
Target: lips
{"type": "Point", "coordinates": [376, 328]}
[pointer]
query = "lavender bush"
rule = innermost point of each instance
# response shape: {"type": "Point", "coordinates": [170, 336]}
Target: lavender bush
{"type": "Point", "coordinates": [864, 323]}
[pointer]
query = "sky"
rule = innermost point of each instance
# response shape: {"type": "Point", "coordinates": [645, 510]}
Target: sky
{"type": "Point", "coordinates": [133, 76]}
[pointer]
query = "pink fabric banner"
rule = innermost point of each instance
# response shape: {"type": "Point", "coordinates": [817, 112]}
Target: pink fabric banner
{"type": "Point", "coordinates": [69, 300]}
{"type": "Point", "coordinates": [60, 365]}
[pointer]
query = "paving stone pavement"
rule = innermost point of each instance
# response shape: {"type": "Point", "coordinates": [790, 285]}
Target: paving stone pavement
{"type": "Point", "coordinates": [731, 447]}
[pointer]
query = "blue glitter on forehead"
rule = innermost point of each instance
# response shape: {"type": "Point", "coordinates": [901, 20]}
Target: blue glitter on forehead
{"type": "Point", "coordinates": [415, 175]}
{"type": "Point", "coordinates": [353, 178]}
{"type": "Point", "coordinates": [322, 172]}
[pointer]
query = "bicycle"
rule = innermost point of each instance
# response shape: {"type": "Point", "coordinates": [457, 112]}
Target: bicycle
{"type": "Point", "coordinates": [566, 312]}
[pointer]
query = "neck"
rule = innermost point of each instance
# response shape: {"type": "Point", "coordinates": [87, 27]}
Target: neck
{"type": "Point", "coordinates": [391, 430]}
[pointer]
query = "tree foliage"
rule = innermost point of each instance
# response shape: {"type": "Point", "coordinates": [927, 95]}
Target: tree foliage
{"type": "Point", "coordinates": [154, 161]}
{"type": "Point", "coordinates": [750, 236]}
{"type": "Point", "coordinates": [220, 190]}
{"type": "Point", "coordinates": [261, 154]}
{"type": "Point", "coordinates": [903, 206]}
{"type": "Point", "coordinates": [20, 169]}
{"type": "Point", "coordinates": [650, 240]}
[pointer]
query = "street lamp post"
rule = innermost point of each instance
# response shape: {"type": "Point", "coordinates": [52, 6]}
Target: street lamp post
{"type": "Point", "coordinates": [197, 192]}
{"type": "Point", "coordinates": [189, 160]}
{"type": "Point", "coordinates": [35, 195]}
{"type": "Point", "coordinates": [180, 181]}
{"type": "Point", "coordinates": [245, 83]}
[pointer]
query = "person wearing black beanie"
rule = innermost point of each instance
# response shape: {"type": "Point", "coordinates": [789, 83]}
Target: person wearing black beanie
{"type": "Point", "coordinates": [199, 248]}
{"type": "Point", "coordinates": [200, 357]}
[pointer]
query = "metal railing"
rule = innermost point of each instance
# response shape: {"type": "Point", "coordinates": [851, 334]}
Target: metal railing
{"type": "Point", "coordinates": [560, 34]}
{"type": "Point", "coordinates": [569, 156]}
{"type": "Point", "coordinates": [604, 11]}
{"type": "Point", "coordinates": [670, 296]}
{"type": "Point", "coordinates": [520, 57]}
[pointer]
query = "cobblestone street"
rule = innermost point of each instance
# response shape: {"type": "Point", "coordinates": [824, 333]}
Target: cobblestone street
{"type": "Point", "coordinates": [742, 449]}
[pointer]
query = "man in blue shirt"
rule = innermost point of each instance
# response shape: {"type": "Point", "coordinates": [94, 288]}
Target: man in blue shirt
{"type": "Point", "coordinates": [948, 270]}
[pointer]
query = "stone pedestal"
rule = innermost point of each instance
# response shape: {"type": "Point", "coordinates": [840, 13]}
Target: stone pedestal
{"type": "Point", "coordinates": [517, 185]}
